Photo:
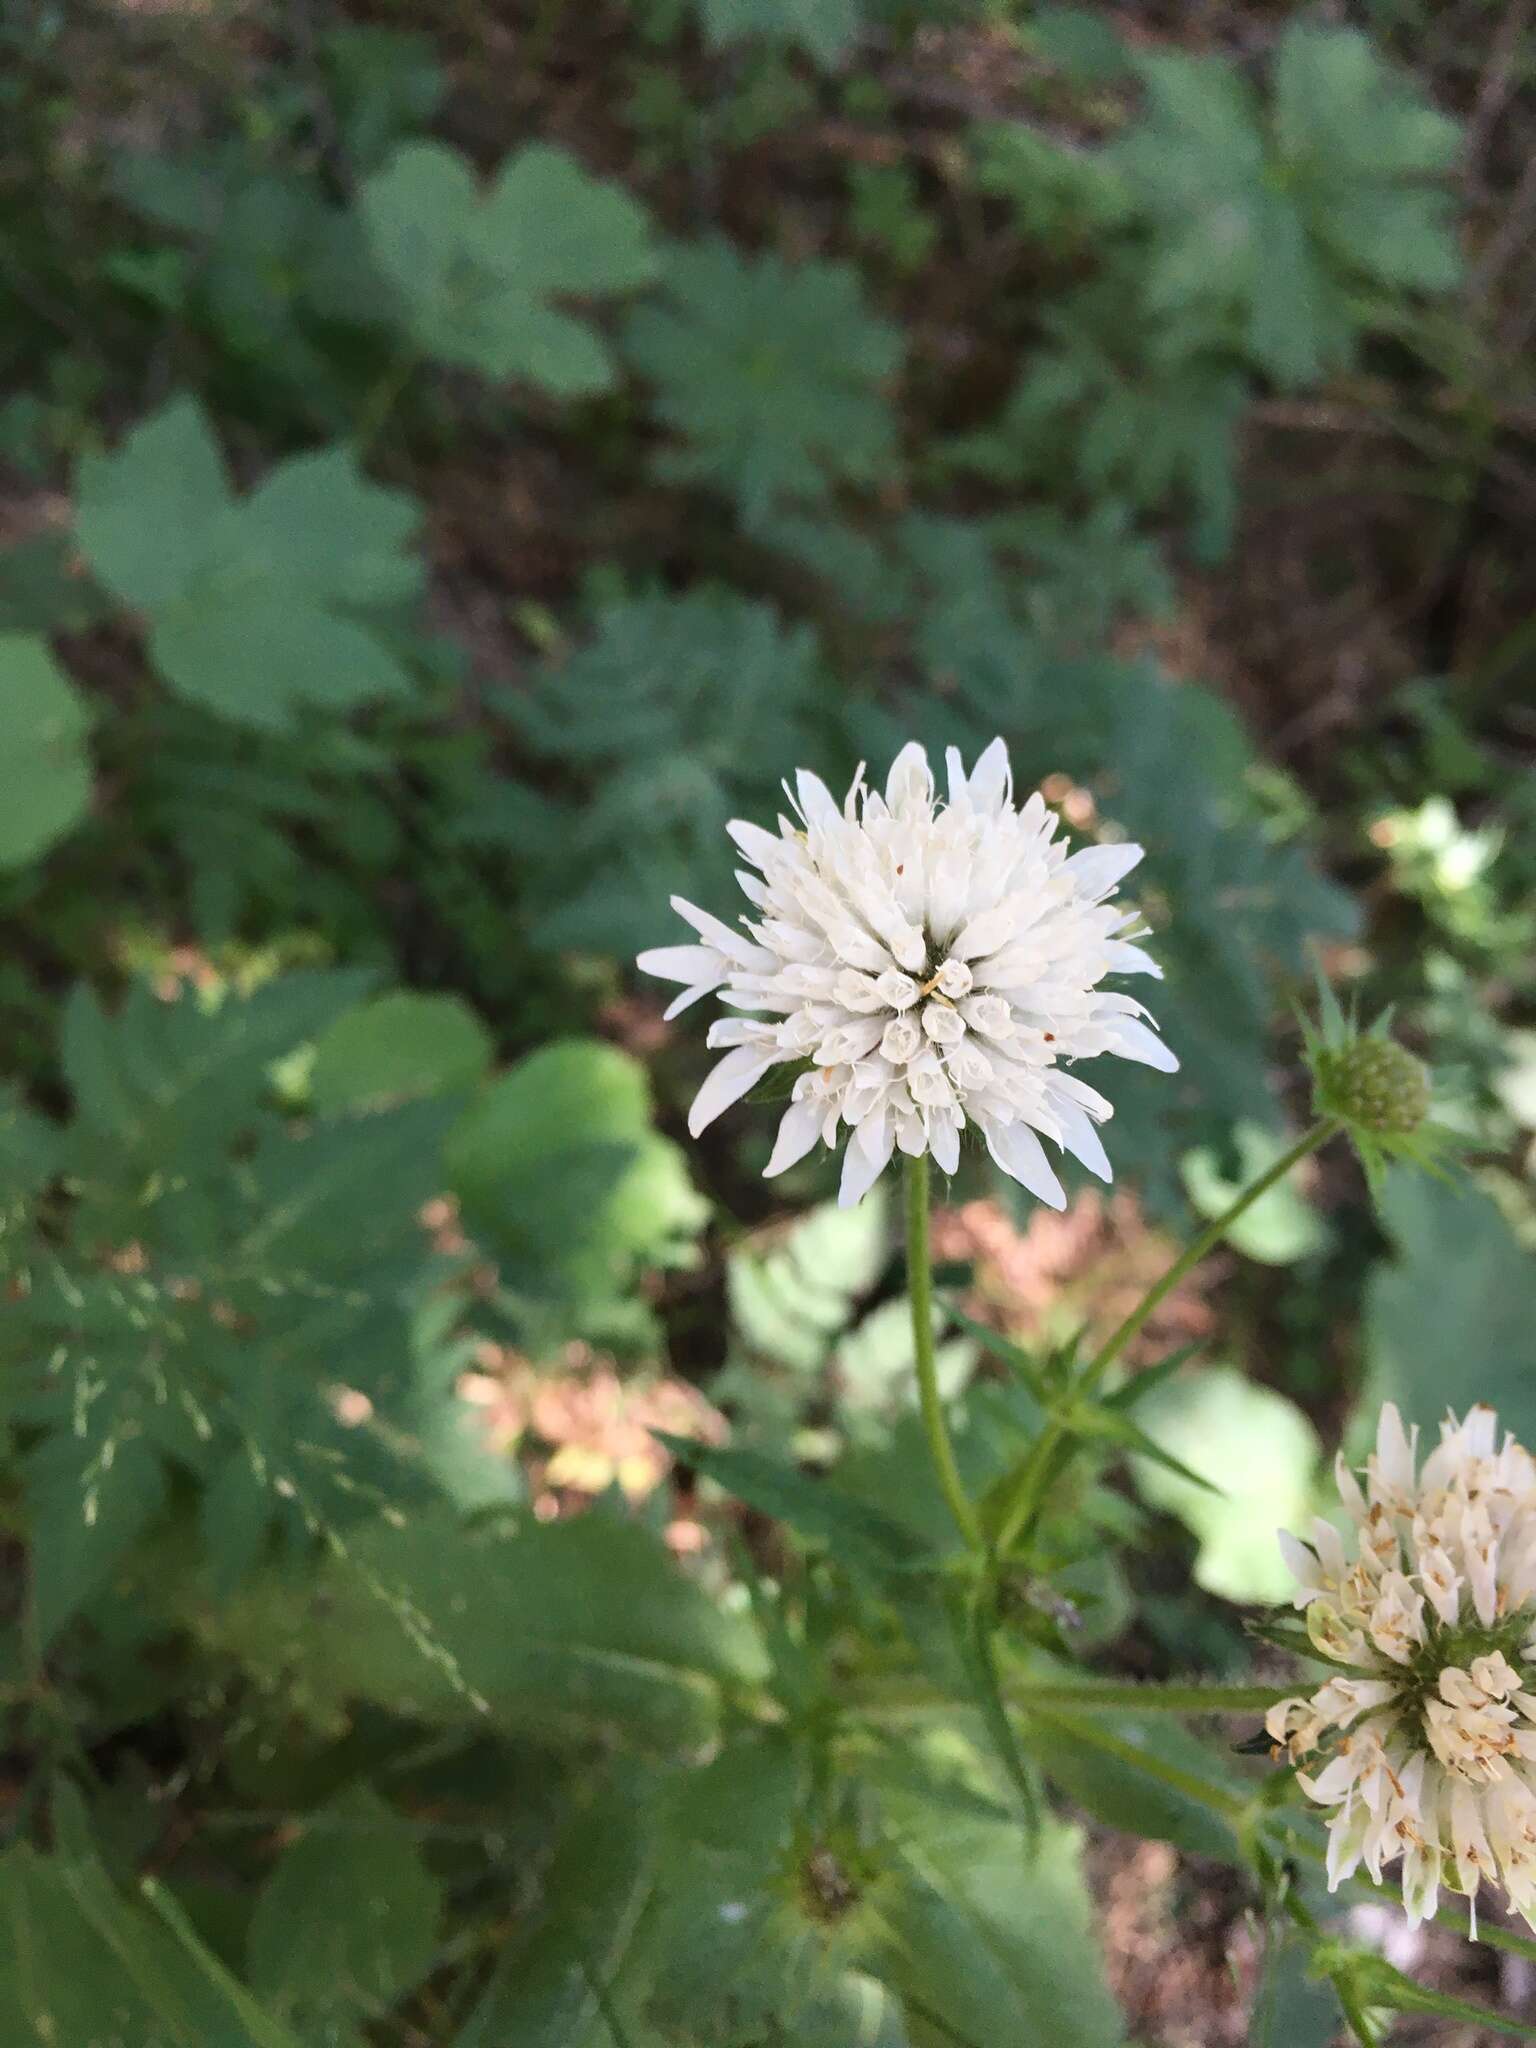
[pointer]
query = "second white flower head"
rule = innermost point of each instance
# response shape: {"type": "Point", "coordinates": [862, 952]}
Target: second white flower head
{"type": "Point", "coordinates": [937, 962]}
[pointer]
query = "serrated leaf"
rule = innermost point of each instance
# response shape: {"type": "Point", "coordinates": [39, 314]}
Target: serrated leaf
{"type": "Point", "coordinates": [770, 374]}
{"type": "Point", "coordinates": [675, 716]}
{"type": "Point", "coordinates": [45, 773]}
{"type": "Point", "coordinates": [858, 1536]}
{"type": "Point", "coordinates": [570, 1629]}
{"type": "Point", "coordinates": [258, 605]}
{"type": "Point", "coordinates": [479, 275]}
{"type": "Point", "coordinates": [347, 1919]}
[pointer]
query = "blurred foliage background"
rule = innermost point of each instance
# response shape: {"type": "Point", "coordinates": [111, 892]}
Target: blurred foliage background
{"type": "Point", "coordinates": [454, 454]}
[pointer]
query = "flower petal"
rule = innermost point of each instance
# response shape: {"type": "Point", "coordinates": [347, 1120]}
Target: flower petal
{"type": "Point", "coordinates": [727, 1083]}
{"type": "Point", "coordinates": [799, 1128]}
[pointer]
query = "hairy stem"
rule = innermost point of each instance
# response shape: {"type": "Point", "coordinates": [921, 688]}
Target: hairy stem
{"type": "Point", "coordinates": [920, 1289]}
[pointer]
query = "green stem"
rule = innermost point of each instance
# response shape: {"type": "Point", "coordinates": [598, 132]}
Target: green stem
{"type": "Point", "coordinates": [1206, 1242]}
{"type": "Point", "coordinates": [896, 1697]}
{"type": "Point", "coordinates": [1043, 1461]}
{"type": "Point", "coordinates": [920, 1289]}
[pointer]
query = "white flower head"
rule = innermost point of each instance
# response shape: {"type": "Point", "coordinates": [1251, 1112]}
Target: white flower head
{"type": "Point", "coordinates": [937, 963]}
{"type": "Point", "coordinates": [1426, 1751]}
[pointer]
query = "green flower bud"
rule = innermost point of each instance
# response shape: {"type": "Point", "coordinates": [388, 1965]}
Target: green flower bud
{"type": "Point", "coordinates": [1373, 1083]}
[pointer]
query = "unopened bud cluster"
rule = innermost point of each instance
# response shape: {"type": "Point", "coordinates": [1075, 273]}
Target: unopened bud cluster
{"type": "Point", "coordinates": [1374, 1083]}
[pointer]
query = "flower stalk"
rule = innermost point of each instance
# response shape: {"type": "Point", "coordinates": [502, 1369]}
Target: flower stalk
{"type": "Point", "coordinates": [920, 1291]}
{"type": "Point", "coordinates": [1041, 1465]}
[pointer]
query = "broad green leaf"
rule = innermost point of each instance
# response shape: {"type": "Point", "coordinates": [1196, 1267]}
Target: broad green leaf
{"type": "Point", "coordinates": [1261, 1455]}
{"type": "Point", "coordinates": [771, 376]}
{"type": "Point", "coordinates": [1114, 1790]}
{"type": "Point", "coordinates": [480, 275]}
{"type": "Point", "coordinates": [256, 605]}
{"type": "Point", "coordinates": [554, 1985]}
{"type": "Point", "coordinates": [558, 1166]}
{"type": "Point", "coordinates": [147, 513]}
{"type": "Point", "coordinates": [396, 1047]}
{"type": "Point", "coordinates": [824, 29]}
{"type": "Point", "coordinates": [1450, 1319]}
{"type": "Point", "coordinates": [348, 1918]}
{"type": "Point", "coordinates": [570, 1629]}
{"type": "Point", "coordinates": [85, 1966]}
{"type": "Point", "coordinates": [857, 1535]}
{"type": "Point", "coordinates": [976, 1931]}
{"type": "Point", "coordinates": [45, 775]}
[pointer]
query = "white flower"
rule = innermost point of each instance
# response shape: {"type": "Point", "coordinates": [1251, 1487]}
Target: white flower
{"type": "Point", "coordinates": [938, 963]}
{"type": "Point", "coordinates": [1427, 1750]}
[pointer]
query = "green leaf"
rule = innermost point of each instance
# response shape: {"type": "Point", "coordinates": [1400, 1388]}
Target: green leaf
{"type": "Point", "coordinates": [347, 1920]}
{"type": "Point", "coordinates": [858, 1536]}
{"type": "Point", "coordinates": [258, 605]}
{"type": "Point", "coordinates": [86, 1966]}
{"type": "Point", "coordinates": [397, 1047]}
{"type": "Point", "coordinates": [147, 514]}
{"type": "Point", "coordinates": [676, 715]}
{"type": "Point", "coordinates": [1450, 1319]}
{"type": "Point", "coordinates": [770, 374]}
{"type": "Point", "coordinates": [1273, 221]}
{"type": "Point", "coordinates": [1255, 1443]}
{"type": "Point", "coordinates": [1116, 1790]}
{"type": "Point", "coordinates": [90, 1494]}
{"type": "Point", "coordinates": [552, 1983]}
{"type": "Point", "coordinates": [791, 1294]}
{"type": "Point", "coordinates": [570, 1629]}
{"type": "Point", "coordinates": [479, 275]}
{"type": "Point", "coordinates": [824, 29]}
{"type": "Point", "coordinates": [974, 1927]}
{"type": "Point", "coordinates": [45, 775]}
{"type": "Point", "coordinates": [559, 1167]}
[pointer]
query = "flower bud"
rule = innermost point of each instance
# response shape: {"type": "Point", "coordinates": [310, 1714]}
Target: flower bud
{"type": "Point", "coordinates": [1373, 1082]}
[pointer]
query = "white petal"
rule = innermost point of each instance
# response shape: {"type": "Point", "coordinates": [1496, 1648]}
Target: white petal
{"type": "Point", "coordinates": [992, 779]}
{"type": "Point", "coordinates": [861, 1169]}
{"type": "Point", "coordinates": [910, 776]}
{"type": "Point", "coordinates": [726, 1084]}
{"type": "Point", "coordinates": [799, 1128]}
{"type": "Point", "coordinates": [1134, 1041]}
{"type": "Point", "coordinates": [944, 1142]}
{"type": "Point", "coordinates": [816, 802]}
{"type": "Point", "coordinates": [759, 846]}
{"type": "Point", "coordinates": [682, 963]}
{"type": "Point", "coordinates": [1022, 1156]}
{"type": "Point", "coordinates": [734, 945]}
{"type": "Point", "coordinates": [686, 1001]}
{"type": "Point", "coordinates": [1079, 1137]}
{"type": "Point", "coordinates": [1096, 869]}
{"type": "Point", "coordinates": [1124, 958]}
